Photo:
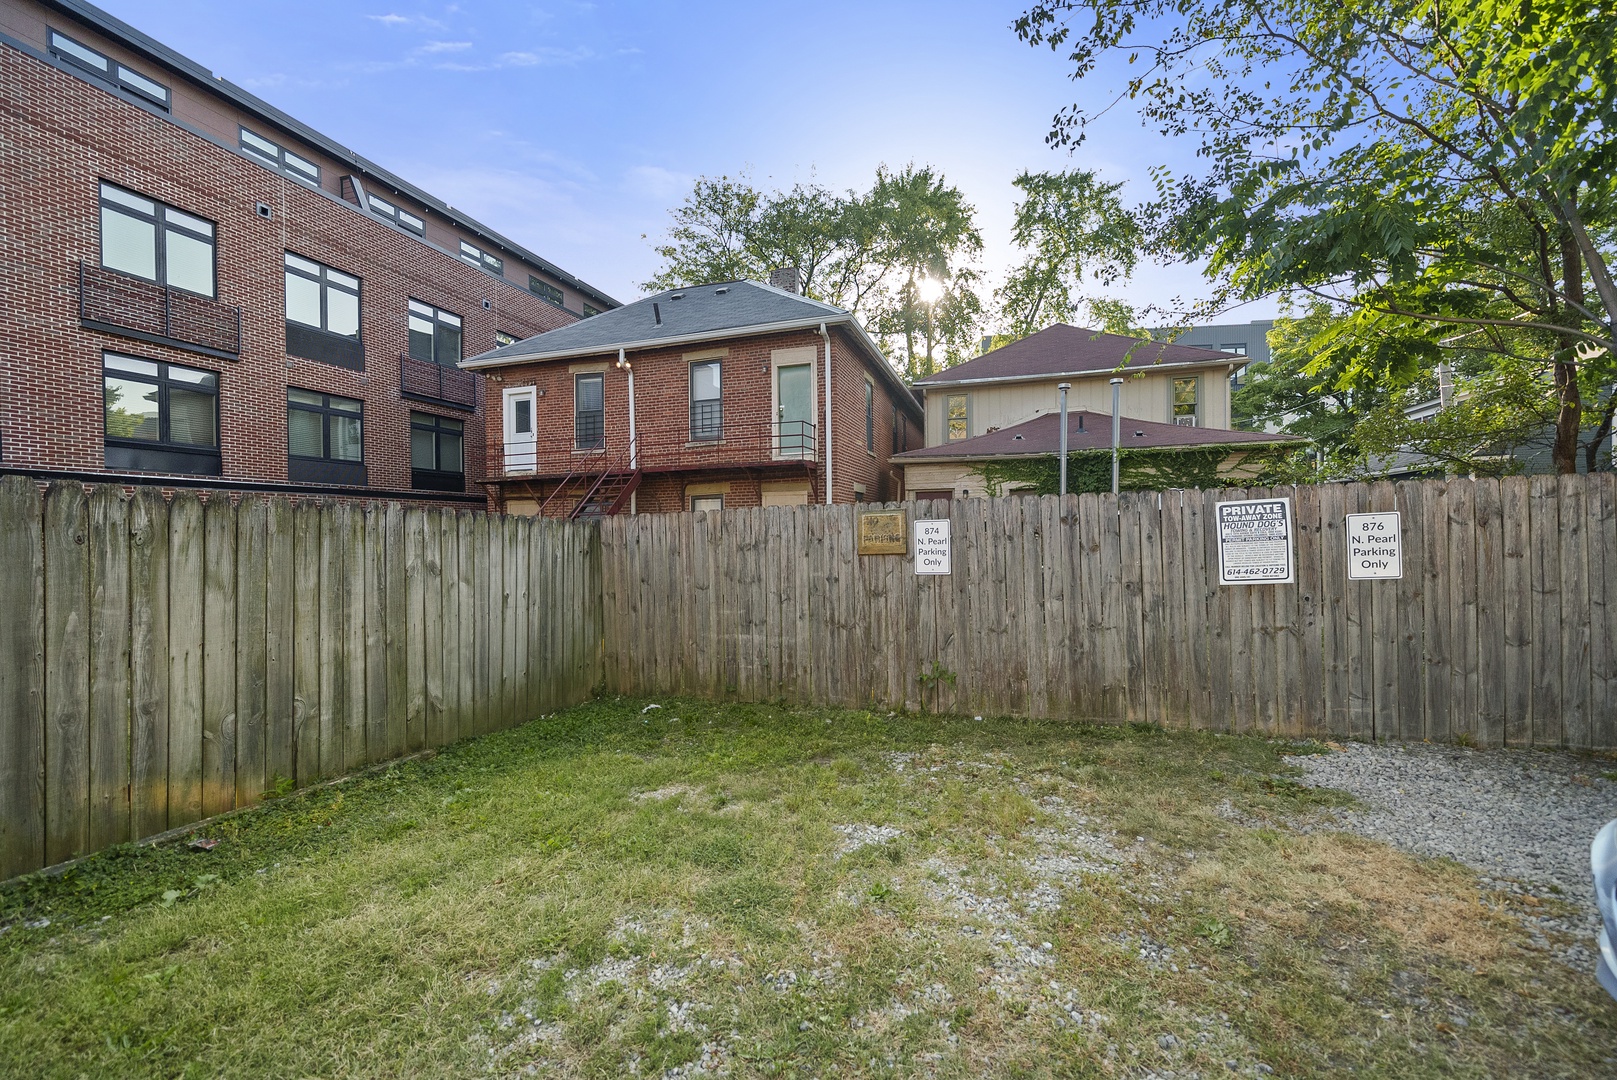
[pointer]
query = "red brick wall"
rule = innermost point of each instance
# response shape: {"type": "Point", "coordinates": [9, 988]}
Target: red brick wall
{"type": "Point", "coordinates": [662, 419]}
{"type": "Point", "coordinates": [59, 137]}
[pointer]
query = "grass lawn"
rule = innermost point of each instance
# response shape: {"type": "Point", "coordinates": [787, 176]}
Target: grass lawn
{"type": "Point", "coordinates": [759, 891]}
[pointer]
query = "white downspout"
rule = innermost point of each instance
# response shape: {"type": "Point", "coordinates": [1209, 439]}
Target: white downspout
{"type": "Point", "coordinates": [827, 440]}
{"type": "Point", "coordinates": [634, 446]}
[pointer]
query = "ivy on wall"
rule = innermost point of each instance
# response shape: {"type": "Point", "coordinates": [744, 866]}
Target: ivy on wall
{"type": "Point", "coordinates": [1142, 469]}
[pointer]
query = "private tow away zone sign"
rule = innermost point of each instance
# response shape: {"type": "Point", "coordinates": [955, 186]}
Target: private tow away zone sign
{"type": "Point", "coordinates": [1254, 542]}
{"type": "Point", "coordinates": [1375, 546]}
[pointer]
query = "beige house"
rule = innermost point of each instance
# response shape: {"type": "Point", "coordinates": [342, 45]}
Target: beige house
{"type": "Point", "coordinates": [1164, 387]}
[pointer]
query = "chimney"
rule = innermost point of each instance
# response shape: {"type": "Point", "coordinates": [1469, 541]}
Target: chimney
{"type": "Point", "coordinates": [988, 344]}
{"type": "Point", "coordinates": [788, 278]}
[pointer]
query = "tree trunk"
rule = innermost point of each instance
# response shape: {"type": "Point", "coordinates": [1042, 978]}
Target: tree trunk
{"type": "Point", "coordinates": [1569, 418]}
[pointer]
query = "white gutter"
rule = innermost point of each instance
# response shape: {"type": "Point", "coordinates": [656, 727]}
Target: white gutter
{"type": "Point", "coordinates": [826, 334]}
{"type": "Point", "coordinates": [634, 447]}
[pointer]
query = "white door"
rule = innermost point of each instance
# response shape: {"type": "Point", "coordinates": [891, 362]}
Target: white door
{"type": "Point", "coordinates": [521, 448]}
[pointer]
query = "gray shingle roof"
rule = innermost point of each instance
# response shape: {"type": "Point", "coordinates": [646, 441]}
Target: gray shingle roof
{"type": "Point", "coordinates": [1070, 350]}
{"type": "Point", "coordinates": [671, 317]}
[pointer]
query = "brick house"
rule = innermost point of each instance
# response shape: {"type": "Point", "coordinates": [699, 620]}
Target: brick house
{"type": "Point", "coordinates": [700, 398]}
{"type": "Point", "coordinates": [202, 291]}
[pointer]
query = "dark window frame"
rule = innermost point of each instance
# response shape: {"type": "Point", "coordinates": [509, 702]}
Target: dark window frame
{"type": "Point", "coordinates": [398, 215]}
{"type": "Point", "coordinates": [435, 315]}
{"type": "Point", "coordinates": [277, 161]}
{"type": "Point", "coordinates": [590, 311]}
{"type": "Point", "coordinates": [476, 256]}
{"type": "Point", "coordinates": [870, 416]}
{"type": "Point", "coordinates": [162, 454]}
{"type": "Point", "coordinates": [323, 279]}
{"type": "Point", "coordinates": [710, 426]}
{"type": "Point", "coordinates": [325, 411]}
{"type": "Point", "coordinates": [437, 478]}
{"type": "Point", "coordinates": [545, 291]}
{"type": "Point", "coordinates": [161, 226]}
{"type": "Point", "coordinates": [596, 439]}
{"type": "Point", "coordinates": [113, 74]}
{"type": "Point", "coordinates": [502, 339]}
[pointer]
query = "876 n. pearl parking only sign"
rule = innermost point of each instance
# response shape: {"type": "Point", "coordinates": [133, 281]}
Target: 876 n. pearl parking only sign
{"type": "Point", "coordinates": [1375, 546]}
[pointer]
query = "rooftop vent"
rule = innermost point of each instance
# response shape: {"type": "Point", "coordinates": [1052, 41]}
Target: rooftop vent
{"type": "Point", "coordinates": [789, 278]}
{"type": "Point", "coordinates": [657, 313]}
{"type": "Point", "coordinates": [721, 290]}
{"type": "Point", "coordinates": [1016, 438]}
{"type": "Point", "coordinates": [677, 296]}
{"type": "Point", "coordinates": [1139, 434]}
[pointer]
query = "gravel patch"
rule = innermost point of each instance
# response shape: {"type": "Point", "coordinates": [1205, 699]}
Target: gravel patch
{"type": "Point", "coordinates": [1520, 815]}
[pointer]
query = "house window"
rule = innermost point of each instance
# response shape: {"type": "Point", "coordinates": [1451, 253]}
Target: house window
{"type": "Point", "coordinates": [859, 495]}
{"type": "Point", "coordinates": [478, 257]}
{"type": "Point", "coordinates": [403, 218]}
{"type": "Point", "coordinates": [707, 502]}
{"type": "Point", "coordinates": [434, 334]}
{"type": "Point", "coordinates": [1184, 400]}
{"type": "Point", "coordinates": [322, 313]}
{"type": "Point", "coordinates": [1238, 348]}
{"type": "Point", "coordinates": [160, 417]}
{"type": "Point", "coordinates": [588, 310]}
{"type": "Point", "coordinates": [870, 416]}
{"type": "Point", "coordinates": [279, 158]}
{"type": "Point", "coordinates": [325, 437]}
{"type": "Point", "coordinates": [97, 63]}
{"type": "Point", "coordinates": [547, 292]}
{"type": "Point", "coordinates": [159, 243]}
{"type": "Point", "coordinates": [957, 421]}
{"type": "Point", "coordinates": [502, 339]}
{"type": "Point", "coordinates": [589, 413]}
{"type": "Point", "coordinates": [707, 407]}
{"type": "Point", "coordinates": [437, 458]}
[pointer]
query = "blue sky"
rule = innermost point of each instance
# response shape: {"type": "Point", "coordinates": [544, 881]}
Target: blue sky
{"type": "Point", "coordinates": [573, 127]}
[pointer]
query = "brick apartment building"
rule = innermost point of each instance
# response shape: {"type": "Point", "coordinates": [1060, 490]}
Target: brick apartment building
{"type": "Point", "coordinates": [200, 290]}
{"type": "Point", "coordinates": [695, 399]}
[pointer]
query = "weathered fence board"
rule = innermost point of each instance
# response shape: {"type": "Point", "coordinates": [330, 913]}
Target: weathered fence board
{"type": "Point", "coordinates": [164, 661]}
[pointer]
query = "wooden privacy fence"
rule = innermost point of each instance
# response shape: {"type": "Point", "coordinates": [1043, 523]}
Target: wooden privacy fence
{"type": "Point", "coordinates": [161, 662]}
{"type": "Point", "coordinates": [1502, 631]}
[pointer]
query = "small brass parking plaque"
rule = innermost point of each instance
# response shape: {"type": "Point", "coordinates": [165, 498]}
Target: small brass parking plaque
{"type": "Point", "coordinates": [883, 532]}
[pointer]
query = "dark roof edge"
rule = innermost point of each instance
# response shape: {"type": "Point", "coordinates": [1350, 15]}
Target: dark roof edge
{"type": "Point", "coordinates": [909, 456]}
{"type": "Point", "coordinates": [845, 319]}
{"type": "Point", "coordinates": [1215, 360]}
{"type": "Point", "coordinates": [119, 30]}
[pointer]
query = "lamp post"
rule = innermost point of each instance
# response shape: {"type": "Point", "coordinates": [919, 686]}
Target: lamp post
{"type": "Point", "coordinates": [1117, 429]}
{"type": "Point", "coordinates": [1063, 387]}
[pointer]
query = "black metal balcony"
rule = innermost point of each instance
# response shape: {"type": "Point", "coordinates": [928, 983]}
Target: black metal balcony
{"type": "Point", "coordinates": [427, 381]}
{"type": "Point", "coordinates": [122, 304]}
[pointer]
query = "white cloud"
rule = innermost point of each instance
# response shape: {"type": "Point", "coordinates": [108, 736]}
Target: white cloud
{"type": "Point", "coordinates": [415, 22]}
{"type": "Point", "coordinates": [445, 46]}
{"type": "Point", "coordinates": [656, 183]}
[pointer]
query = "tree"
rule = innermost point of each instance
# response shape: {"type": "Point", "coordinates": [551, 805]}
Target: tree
{"type": "Point", "coordinates": [1073, 228]}
{"type": "Point", "coordinates": [868, 253]}
{"type": "Point", "coordinates": [1446, 172]}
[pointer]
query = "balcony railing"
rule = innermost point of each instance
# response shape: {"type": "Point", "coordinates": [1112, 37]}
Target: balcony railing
{"type": "Point", "coordinates": [784, 442]}
{"type": "Point", "coordinates": [122, 304]}
{"type": "Point", "coordinates": [434, 382]}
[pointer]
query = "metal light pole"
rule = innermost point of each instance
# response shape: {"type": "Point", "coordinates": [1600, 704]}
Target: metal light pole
{"type": "Point", "coordinates": [1117, 429]}
{"type": "Point", "coordinates": [1063, 387]}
